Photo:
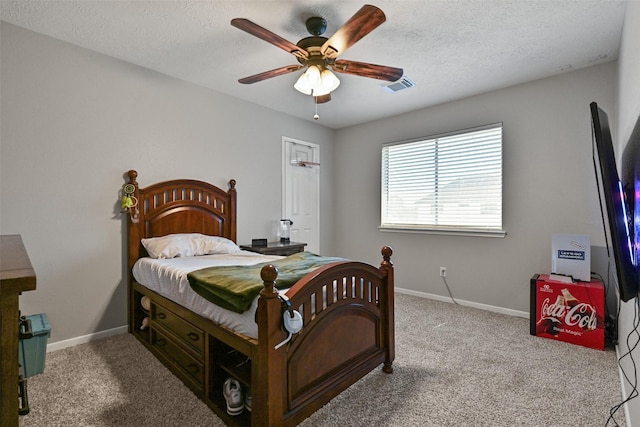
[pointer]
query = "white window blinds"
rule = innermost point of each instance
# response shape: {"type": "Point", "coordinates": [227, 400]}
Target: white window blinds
{"type": "Point", "coordinates": [448, 182]}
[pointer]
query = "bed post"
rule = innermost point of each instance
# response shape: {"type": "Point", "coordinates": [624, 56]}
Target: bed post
{"type": "Point", "coordinates": [231, 211]}
{"type": "Point", "coordinates": [269, 370]}
{"type": "Point", "coordinates": [386, 266]}
{"type": "Point", "coordinates": [131, 189]}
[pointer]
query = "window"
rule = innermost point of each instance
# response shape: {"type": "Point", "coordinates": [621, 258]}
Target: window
{"type": "Point", "coordinates": [449, 183]}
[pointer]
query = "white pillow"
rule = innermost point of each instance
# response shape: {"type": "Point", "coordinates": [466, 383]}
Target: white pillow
{"type": "Point", "coordinates": [190, 244]}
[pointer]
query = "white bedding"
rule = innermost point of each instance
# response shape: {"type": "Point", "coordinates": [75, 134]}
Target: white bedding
{"type": "Point", "coordinates": [168, 277]}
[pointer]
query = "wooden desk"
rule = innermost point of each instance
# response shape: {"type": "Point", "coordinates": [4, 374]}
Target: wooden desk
{"type": "Point", "coordinates": [16, 276]}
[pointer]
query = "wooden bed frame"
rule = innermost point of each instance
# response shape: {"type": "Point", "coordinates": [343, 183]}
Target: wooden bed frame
{"type": "Point", "coordinates": [347, 309]}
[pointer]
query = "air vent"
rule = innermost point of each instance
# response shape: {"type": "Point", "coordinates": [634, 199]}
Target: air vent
{"type": "Point", "coordinates": [398, 85]}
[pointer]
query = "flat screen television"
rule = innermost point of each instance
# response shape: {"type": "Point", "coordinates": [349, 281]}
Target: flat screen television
{"type": "Point", "coordinates": [631, 178]}
{"type": "Point", "coordinates": [621, 198]}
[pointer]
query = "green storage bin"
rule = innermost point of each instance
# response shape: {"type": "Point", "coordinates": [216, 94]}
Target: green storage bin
{"type": "Point", "coordinates": [32, 351]}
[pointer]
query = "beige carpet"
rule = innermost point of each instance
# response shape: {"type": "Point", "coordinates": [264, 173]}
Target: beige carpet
{"type": "Point", "coordinates": [455, 366]}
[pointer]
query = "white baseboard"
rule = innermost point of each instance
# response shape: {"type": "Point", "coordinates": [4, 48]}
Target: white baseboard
{"type": "Point", "coordinates": [508, 311]}
{"type": "Point", "coordinates": [86, 338]}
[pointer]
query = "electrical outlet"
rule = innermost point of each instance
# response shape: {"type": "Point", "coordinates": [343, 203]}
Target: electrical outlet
{"type": "Point", "coordinates": [443, 271]}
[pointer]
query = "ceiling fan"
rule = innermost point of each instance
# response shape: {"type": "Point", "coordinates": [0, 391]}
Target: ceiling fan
{"type": "Point", "coordinates": [320, 54]}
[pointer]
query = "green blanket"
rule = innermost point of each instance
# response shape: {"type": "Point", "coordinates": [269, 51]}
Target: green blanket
{"type": "Point", "coordinates": [235, 287]}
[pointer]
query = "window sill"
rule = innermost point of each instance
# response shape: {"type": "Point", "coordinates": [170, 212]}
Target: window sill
{"type": "Point", "coordinates": [478, 232]}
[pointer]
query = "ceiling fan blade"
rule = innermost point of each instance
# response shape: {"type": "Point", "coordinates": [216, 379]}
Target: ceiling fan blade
{"type": "Point", "coordinates": [362, 23]}
{"type": "Point", "coordinates": [380, 72]}
{"type": "Point", "coordinates": [272, 73]}
{"type": "Point", "coordinates": [269, 37]}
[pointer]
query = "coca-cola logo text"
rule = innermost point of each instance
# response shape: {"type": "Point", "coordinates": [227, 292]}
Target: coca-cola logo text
{"type": "Point", "coordinates": [582, 315]}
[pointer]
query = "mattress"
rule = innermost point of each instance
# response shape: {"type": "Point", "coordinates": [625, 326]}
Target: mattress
{"type": "Point", "coordinates": [168, 277]}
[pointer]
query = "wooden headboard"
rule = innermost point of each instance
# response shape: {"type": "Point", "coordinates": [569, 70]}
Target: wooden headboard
{"type": "Point", "coordinates": [179, 206]}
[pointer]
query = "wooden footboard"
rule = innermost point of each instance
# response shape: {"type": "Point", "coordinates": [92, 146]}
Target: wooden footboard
{"type": "Point", "coordinates": [347, 311]}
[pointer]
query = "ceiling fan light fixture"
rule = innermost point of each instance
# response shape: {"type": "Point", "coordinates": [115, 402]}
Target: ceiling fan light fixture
{"type": "Point", "coordinates": [329, 81]}
{"type": "Point", "coordinates": [309, 80]}
{"type": "Point", "coordinates": [313, 76]}
{"type": "Point", "coordinates": [315, 82]}
{"type": "Point", "coordinates": [302, 85]}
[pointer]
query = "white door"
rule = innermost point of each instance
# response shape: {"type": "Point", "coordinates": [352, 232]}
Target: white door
{"type": "Point", "coordinates": [301, 191]}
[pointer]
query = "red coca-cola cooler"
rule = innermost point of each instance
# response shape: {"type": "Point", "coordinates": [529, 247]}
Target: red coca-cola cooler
{"type": "Point", "coordinates": [568, 311]}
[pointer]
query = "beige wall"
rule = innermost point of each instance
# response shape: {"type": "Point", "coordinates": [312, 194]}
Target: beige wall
{"type": "Point", "coordinates": [549, 187]}
{"type": "Point", "coordinates": [74, 121]}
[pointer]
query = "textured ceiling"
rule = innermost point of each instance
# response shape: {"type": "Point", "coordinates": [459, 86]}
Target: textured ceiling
{"type": "Point", "coordinates": [451, 49]}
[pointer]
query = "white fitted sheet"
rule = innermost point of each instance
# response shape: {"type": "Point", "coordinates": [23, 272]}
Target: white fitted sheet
{"type": "Point", "coordinates": [168, 277]}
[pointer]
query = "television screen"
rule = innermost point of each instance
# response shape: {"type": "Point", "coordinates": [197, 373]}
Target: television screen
{"type": "Point", "coordinates": [631, 180]}
{"type": "Point", "coordinates": [615, 193]}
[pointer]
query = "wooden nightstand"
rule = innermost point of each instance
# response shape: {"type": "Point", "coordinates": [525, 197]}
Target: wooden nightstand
{"type": "Point", "coordinates": [276, 248]}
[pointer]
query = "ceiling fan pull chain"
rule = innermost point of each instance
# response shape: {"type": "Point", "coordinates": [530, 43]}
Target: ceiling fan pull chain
{"type": "Point", "coordinates": [316, 116]}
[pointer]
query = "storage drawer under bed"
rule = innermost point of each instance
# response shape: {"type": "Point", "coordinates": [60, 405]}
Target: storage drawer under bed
{"type": "Point", "coordinates": [192, 368]}
{"type": "Point", "coordinates": [192, 337]}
